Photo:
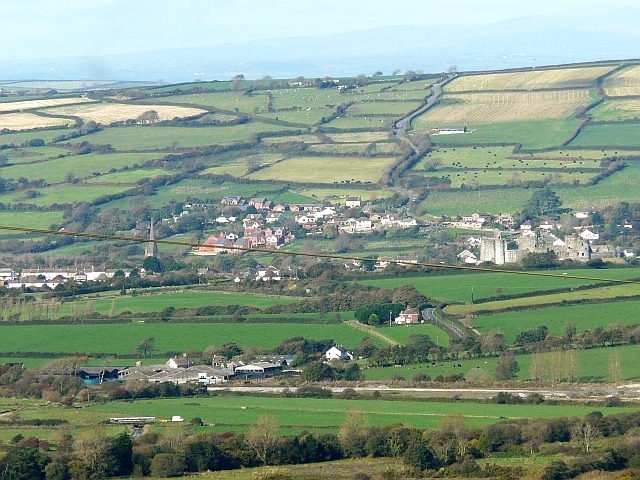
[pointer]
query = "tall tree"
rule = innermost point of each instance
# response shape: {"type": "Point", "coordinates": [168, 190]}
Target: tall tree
{"type": "Point", "coordinates": [543, 202]}
{"type": "Point", "coordinates": [263, 436]}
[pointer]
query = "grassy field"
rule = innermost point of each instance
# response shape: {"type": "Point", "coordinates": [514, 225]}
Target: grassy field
{"type": "Point", "coordinates": [19, 137]}
{"type": "Point", "coordinates": [107, 113]}
{"type": "Point", "coordinates": [457, 288]}
{"type": "Point", "coordinates": [531, 80]}
{"type": "Point", "coordinates": [188, 299]}
{"type": "Point", "coordinates": [223, 100]}
{"type": "Point", "coordinates": [358, 137]}
{"type": "Point", "coordinates": [339, 195]}
{"type": "Point", "coordinates": [604, 293]}
{"type": "Point", "coordinates": [309, 139]}
{"type": "Point", "coordinates": [532, 134]}
{"type": "Point", "coordinates": [32, 219]}
{"type": "Point", "coordinates": [63, 194]}
{"type": "Point", "coordinates": [306, 116]}
{"type": "Point", "coordinates": [157, 137]}
{"type": "Point", "coordinates": [401, 333]}
{"type": "Point", "coordinates": [329, 413]}
{"type": "Point", "coordinates": [622, 135]}
{"type": "Point", "coordinates": [123, 338]}
{"type": "Point", "coordinates": [512, 177]}
{"type": "Point", "coordinates": [130, 177]}
{"type": "Point", "coordinates": [624, 83]}
{"type": "Point", "coordinates": [504, 107]}
{"type": "Point", "coordinates": [334, 169]}
{"type": "Point", "coordinates": [592, 366]}
{"type": "Point", "coordinates": [617, 110]}
{"type": "Point", "coordinates": [347, 122]}
{"type": "Point", "coordinates": [586, 317]}
{"type": "Point", "coordinates": [383, 108]}
{"type": "Point", "coordinates": [56, 169]}
{"type": "Point", "coordinates": [33, 154]}
{"type": "Point", "coordinates": [240, 166]}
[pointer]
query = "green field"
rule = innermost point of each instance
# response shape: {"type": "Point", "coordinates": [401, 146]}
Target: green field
{"type": "Point", "coordinates": [604, 293]}
{"type": "Point", "coordinates": [401, 333]}
{"type": "Point", "coordinates": [329, 413]}
{"type": "Point", "coordinates": [32, 219]}
{"type": "Point", "coordinates": [346, 122]}
{"type": "Point", "coordinates": [619, 135]}
{"type": "Point", "coordinates": [33, 154]}
{"type": "Point", "coordinates": [223, 100]}
{"type": "Point", "coordinates": [189, 299]}
{"type": "Point", "coordinates": [46, 135]}
{"type": "Point", "coordinates": [532, 134]}
{"type": "Point", "coordinates": [63, 194]}
{"type": "Point", "coordinates": [121, 339]}
{"type": "Point", "coordinates": [383, 108]}
{"type": "Point", "coordinates": [586, 317]}
{"type": "Point", "coordinates": [157, 137]}
{"type": "Point", "coordinates": [617, 110]}
{"type": "Point", "coordinates": [457, 288]}
{"type": "Point", "coordinates": [56, 170]}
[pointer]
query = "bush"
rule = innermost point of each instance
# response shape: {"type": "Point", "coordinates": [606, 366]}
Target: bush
{"type": "Point", "coordinates": [167, 465]}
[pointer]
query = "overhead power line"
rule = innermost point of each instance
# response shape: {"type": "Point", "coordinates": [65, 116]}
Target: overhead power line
{"type": "Point", "coordinates": [101, 236]}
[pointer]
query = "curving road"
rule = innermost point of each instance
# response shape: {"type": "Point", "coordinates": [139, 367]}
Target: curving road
{"type": "Point", "coordinates": [429, 314]}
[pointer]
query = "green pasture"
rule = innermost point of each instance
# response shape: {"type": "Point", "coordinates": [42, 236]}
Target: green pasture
{"type": "Point", "coordinates": [130, 177]}
{"type": "Point", "coordinates": [20, 137]}
{"type": "Point", "coordinates": [592, 365]}
{"type": "Point", "coordinates": [309, 97]}
{"type": "Point", "coordinates": [160, 137]}
{"type": "Point", "coordinates": [63, 194]}
{"type": "Point", "coordinates": [395, 95]}
{"type": "Point", "coordinates": [339, 195]}
{"type": "Point", "coordinates": [334, 169]}
{"type": "Point", "coordinates": [383, 108]}
{"type": "Point", "coordinates": [239, 166]}
{"type": "Point", "coordinates": [586, 317]}
{"type": "Point", "coordinates": [310, 116]}
{"type": "Point", "coordinates": [17, 156]}
{"type": "Point", "coordinates": [121, 339]}
{"type": "Point", "coordinates": [330, 413]}
{"type": "Point", "coordinates": [532, 134]}
{"type": "Point", "coordinates": [621, 186]}
{"type": "Point", "coordinates": [502, 156]}
{"type": "Point", "coordinates": [619, 135]}
{"type": "Point", "coordinates": [421, 85]}
{"type": "Point", "coordinates": [511, 177]}
{"type": "Point", "coordinates": [616, 110]}
{"type": "Point", "coordinates": [457, 288]}
{"type": "Point", "coordinates": [346, 122]}
{"type": "Point", "coordinates": [231, 101]}
{"type": "Point", "coordinates": [603, 293]}
{"type": "Point", "coordinates": [401, 333]}
{"type": "Point", "coordinates": [291, 138]}
{"type": "Point", "coordinates": [386, 148]}
{"type": "Point", "coordinates": [292, 197]}
{"type": "Point", "coordinates": [32, 219]}
{"type": "Point", "coordinates": [154, 302]}
{"type": "Point", "coordinates": [56, 169]}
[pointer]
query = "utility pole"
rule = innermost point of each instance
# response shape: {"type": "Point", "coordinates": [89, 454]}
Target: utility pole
{"type": "Point", "coordinates": [471, 294]}
{"type": "Point", "coordinates": [389, 317]}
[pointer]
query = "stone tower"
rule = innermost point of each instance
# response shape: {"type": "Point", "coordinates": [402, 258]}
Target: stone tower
{"type": "Point", "coordinates": [151, 250]}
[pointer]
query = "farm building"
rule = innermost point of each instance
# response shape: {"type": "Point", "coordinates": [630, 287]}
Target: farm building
{"type": "Point", "coordinates": [451, 130]}
{"type": "Point", "coordinates": [338, 352]}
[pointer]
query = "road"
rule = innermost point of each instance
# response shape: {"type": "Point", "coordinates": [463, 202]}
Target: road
{"type": "Point", "coordinates": [587, 392]}
{"type": "Point", "coordinates": [429, 314]}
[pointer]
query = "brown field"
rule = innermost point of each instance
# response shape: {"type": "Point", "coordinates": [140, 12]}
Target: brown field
{"type": "Point", "coordinates": [107, 113]}
{"type": "Point", "coordinates": [624, 83]}
{"type": "Point", "coordinates": [533, 80]}
{"type": "Point", "coordinates": [506, 107]}
{"type": "Point", "coordinates": [324, 169]}
{"type": "Point", "coordinates": [27, 121]}
{"type": "Point", "coordinates": [359, 137]}
{"type": "Point", "coordinates": [32, 104]}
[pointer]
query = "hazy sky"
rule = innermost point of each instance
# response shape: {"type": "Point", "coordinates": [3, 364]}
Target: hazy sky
{"type": "Point", "coordinates": [54, 28]}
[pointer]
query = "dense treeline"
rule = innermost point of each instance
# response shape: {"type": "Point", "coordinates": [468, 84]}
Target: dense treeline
{"type": "Point", "coordinates": [594, 442]}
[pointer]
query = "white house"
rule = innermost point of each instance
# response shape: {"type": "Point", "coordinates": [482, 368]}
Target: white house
{"type": "Point", "coordinates": [407, 316]}
{"type": "Point", "coordinates": [547, 225]}
{"type": "Point", "coordinates": [353, 202]}
{"type": "Point", "coordinates": [467, 257]}
{"type": "Point", "coordinates": [338, 352]}
{"type": "Point", "coordinates": [589, 235]}
{"type": "Point", "coordinates": [582, 215]}
{"type": "Point", "coordinates": [179, 362]}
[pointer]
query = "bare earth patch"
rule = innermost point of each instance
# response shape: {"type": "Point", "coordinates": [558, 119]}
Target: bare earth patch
{"type": "Point", "coordinates": [33, 104]}
{"type": "Point", "coordinates": [106, 113]}
{"type": "Point", "coordinates": [27, 121]}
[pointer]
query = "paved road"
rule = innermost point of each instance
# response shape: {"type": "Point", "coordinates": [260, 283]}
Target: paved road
{"type": "Point", "coordinates": [429, 314]}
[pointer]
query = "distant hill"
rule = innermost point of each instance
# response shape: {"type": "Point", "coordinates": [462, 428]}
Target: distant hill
{"type": "Point", "coordinates": [606, 33]}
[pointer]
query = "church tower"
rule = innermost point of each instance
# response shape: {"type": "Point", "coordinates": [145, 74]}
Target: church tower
{"type": "Point", "coordinates": [151, 250]}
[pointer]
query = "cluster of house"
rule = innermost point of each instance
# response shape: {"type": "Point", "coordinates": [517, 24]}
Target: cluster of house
{"type": "Point", "coordinates": [530, 238]}
{"type": "Point", "coordinates": [265, 229]}
{"type": "Point", "coordinates": [52, 277]}
{"type": "Point", "coordinates": [181, 370]}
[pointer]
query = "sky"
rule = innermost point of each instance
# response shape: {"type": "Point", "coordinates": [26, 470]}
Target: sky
{"type": "Point", "coordinates": [37, 29]}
